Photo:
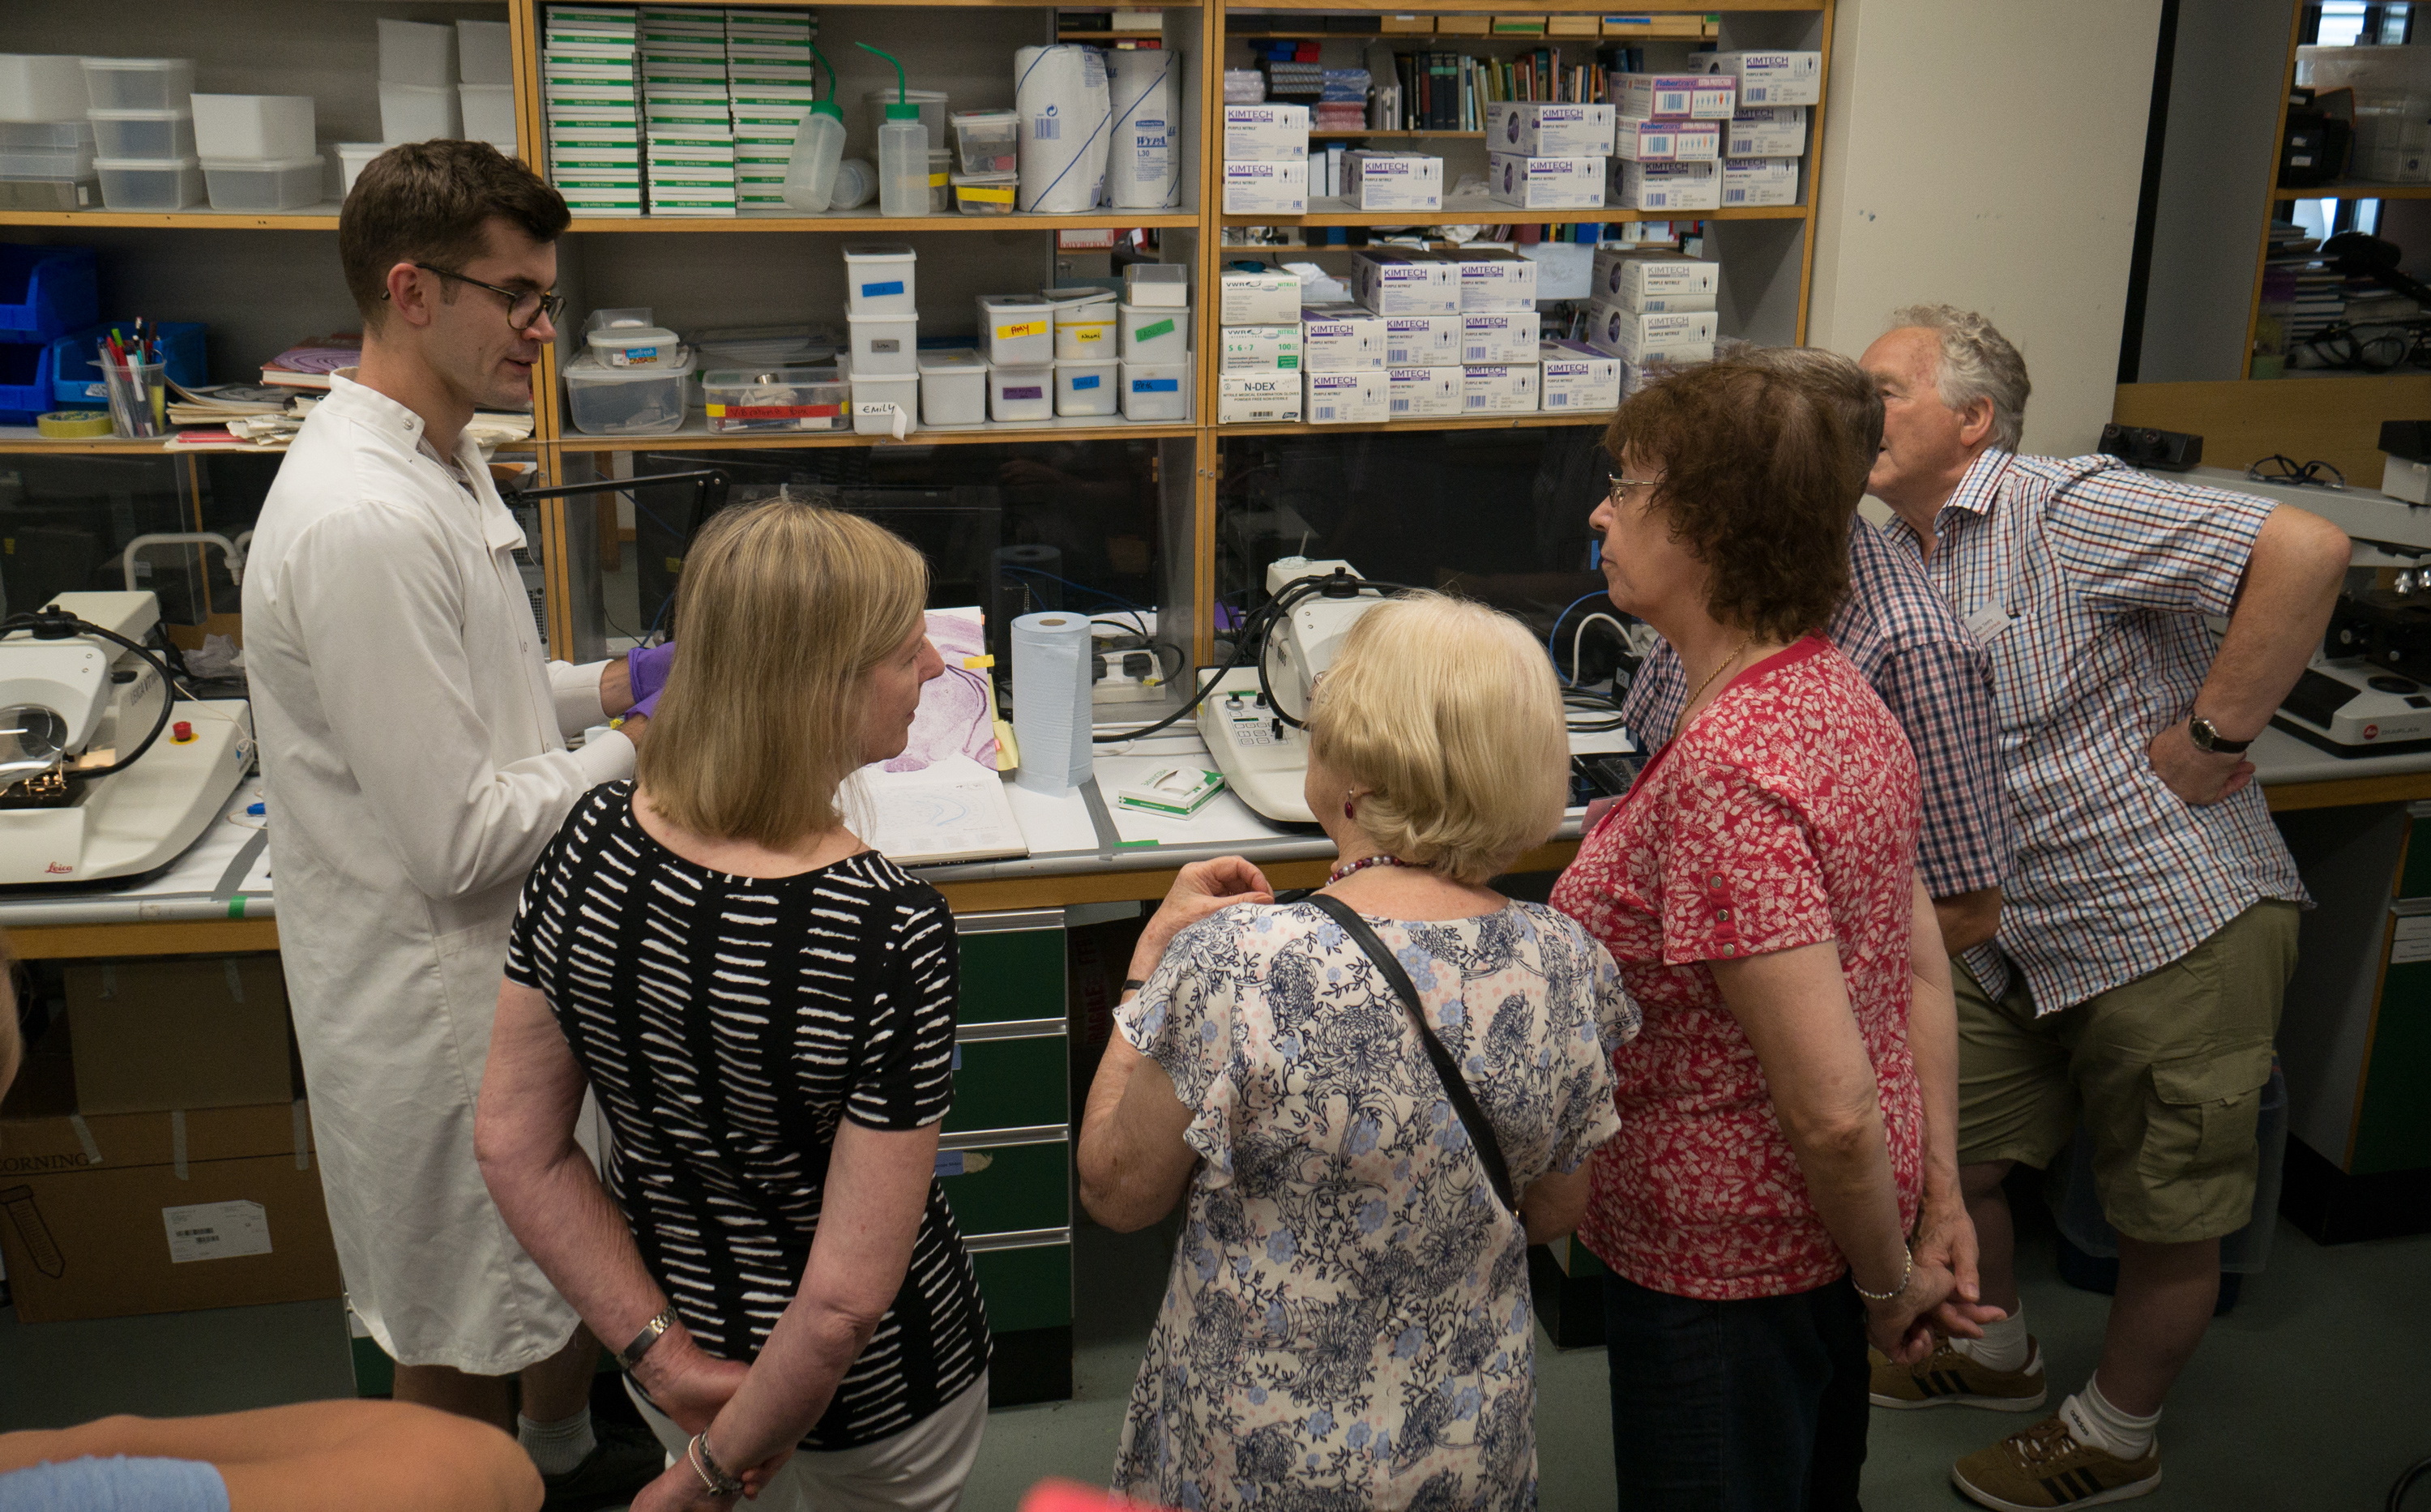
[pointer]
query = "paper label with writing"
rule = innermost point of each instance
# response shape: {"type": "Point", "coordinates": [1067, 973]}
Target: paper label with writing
{"type": "Point", "coordinates": [2411, 940]}
{"type": "Point", "coordinates": [215, 1231]}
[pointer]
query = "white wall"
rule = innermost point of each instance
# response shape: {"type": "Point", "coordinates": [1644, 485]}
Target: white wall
{"type": "Point", "coordinates": [1989, 156]}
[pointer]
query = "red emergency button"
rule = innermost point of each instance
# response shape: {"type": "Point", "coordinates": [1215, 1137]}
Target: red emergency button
{"type": "Point", "coordinates": [181, 733]}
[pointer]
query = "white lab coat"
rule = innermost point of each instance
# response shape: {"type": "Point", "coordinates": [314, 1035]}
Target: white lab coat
{"type": "Point", "coordinates": [414, 759]}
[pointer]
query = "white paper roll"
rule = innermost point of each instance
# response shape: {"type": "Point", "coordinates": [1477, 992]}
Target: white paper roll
{"type": "Point", "coordinates": [1066, 116]}
{"type": "Point", "coordinates": [1144, 165]}
{"type": "Point", "coordinates": [1051, 719]}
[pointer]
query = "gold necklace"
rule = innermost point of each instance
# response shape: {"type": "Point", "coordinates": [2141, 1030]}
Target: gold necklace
{"type": "Point", "coordinates": [1744, 641]}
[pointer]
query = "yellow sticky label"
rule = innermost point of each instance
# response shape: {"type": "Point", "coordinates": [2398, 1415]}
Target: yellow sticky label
{"type": "Point", "coordinates": [936, 180]}
{"type": "Point", "coordinates": [992, 197]}
{"type": "Point", "coordinates": [1026, 327]}
{"type": "Point", "coordinates": [1086, 334]}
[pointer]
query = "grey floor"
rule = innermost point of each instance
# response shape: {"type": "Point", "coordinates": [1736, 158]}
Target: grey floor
{"type": "Point", "coordinates": [2313, 1395]}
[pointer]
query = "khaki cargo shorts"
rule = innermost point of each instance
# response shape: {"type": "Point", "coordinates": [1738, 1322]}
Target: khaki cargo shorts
{"type": "Point", "coordinates": [2167, 1070]}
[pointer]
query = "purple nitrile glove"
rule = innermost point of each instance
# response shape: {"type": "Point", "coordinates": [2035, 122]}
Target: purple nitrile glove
{"type": "Point", "coordinates": [647, 668]}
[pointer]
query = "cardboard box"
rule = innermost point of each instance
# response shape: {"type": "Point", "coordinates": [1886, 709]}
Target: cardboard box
{"type": "Point", "coordinates": [1463, 26]}
{"type": "Point", "coordinates": [1265, 133]}
{"type": "Point", "coordinates": [1571, 377]}
{"type": "Point", "coordinates": [1260, 349]}
{"type": "Point", "coordinates": [1545, 183]}
{"type": "Point", "coordinates": [151, 1035]}
{"type": "Point", "coordinates": [1645, 24]}
{"type": "Point", "coordinates": [230, 1214]}
{"type": "Point", "coordinates": [1422, 393]}
{"type": "Point", "coordinates": [1772, 79]}
{"type": "Point", "coordinates": [1759, 181]}
{"type": "Point", "coordinates": [1406, 26]}
{"type": "Point", "coordinates": [1668, 140]}
{"type": "Point", "coordinates": [1421, 341]}
{"type": "Point", "coordinates": [1253, 398]}
{"type": "Point", "coordinates": [1500, 336]}
{"type": "Point", "coordinates": [1360, 397]}
{"type": "Point", "coordinates": [1497, 389]}
{"type": "Point", "coordinates": [1495, 279]}
{"type": "Point", "coordinates": [1266, 188]}
{"type": "Point", "coordinates": [1573, 26]}
{"type": "Point", "coordinates": [1666, 186]}
{"type": "Point", "coordinates": [1394, 282]}
{"type": "Point", "coordinates": [1767, 131]}
{"type": "Point", "coordinates": [1627, 276]}
{"type": "Point", "coordinates": [1676, 97]}
{"type": "Point", "coordinates": [1270, 298]}
{"type": "Point", "coordinates": [1341, 339]}
{"type": "Point", "coordinates": [1392, 180]}
{"type": "Point", "coordinates": [1542, 128]}
{"type": "Point", "coordinates": [1676, 337]}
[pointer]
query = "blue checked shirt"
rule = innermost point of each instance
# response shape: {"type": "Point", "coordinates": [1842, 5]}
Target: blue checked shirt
{"type": "Point", "coordinates": [2088, 582]}
{"type": "Point", "coordinates": [1903, 638]}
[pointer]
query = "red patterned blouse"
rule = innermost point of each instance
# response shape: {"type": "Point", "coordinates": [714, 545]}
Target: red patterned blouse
{"type": "Point", "coordinates": [1785, 815]}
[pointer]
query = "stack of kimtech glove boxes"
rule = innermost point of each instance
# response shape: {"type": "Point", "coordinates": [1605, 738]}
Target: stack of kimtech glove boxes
{"type": "Point", "coordinates": [1667, 147]}
{"type": "Point", "coordinates": [1651, 307]}
{"type": "Point", "coordinates": [1259, 369]}
{"type": "Point", "coordinates": [1548, 155]}
{"type": "Point", "coordinates": [1266, 159]}
{"type": "Point", "coordinates": [1498, 329]}
{"type": "Point", "coordinates": [591, 88]}
{"type": "Point", "coordinates": [1766, 132]}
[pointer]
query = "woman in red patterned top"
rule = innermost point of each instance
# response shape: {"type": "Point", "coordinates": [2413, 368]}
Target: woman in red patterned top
{"type": "Point", "coordinates": [1789, 1110]}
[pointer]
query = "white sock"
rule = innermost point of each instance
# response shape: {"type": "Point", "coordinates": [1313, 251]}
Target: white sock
{"type": "Point", "coordinates": [557, 1447]}
{"type": "Point", "coordinates": [2002, 1346]}
{"type": "Point", "coordinates": [2097, 1421]}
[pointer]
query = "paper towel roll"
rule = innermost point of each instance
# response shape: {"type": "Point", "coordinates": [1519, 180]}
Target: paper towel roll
{"type": "Point", "coordinates": [1144, 164]}
{"type": "Point", "coordinates": [1052, 720]}
{"type": "Point", "coordinates": [1066, 114]}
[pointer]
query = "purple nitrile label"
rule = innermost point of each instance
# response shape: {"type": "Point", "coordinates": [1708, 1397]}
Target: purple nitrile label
{"type": "Point", "coordinates": [1030, 392]}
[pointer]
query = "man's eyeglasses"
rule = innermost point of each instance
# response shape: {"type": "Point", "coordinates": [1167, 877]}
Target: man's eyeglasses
{"type": "Point", "coordinates": [524, 306]}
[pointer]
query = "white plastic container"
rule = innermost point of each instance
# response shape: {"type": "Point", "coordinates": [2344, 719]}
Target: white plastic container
{"type": "Point", "coordinates": [878, 279]}
{"type": "Point", "coordinates": [253, 128]}
{"type": "Point", "coordinates": [489, 111]}
{"type": "Point", "coordinates": [953, 388]}
{"type": "Point", "coordinates": [1085, 330]}
{"type": "Point", "coordinates": [986, 141]}
{"type": "Point", "coordinates": [1021, 392]}
{"type": "Point", "coordinates": [933, 112]}
{"type": "Point", "coordinates": [1016, 330]}
{"type": "Point", "coordinates": [636, 346]}
{"type": "Point", "coordinates": [418, 52]}
{"type": "Point", "coordinates": [353, 156]}
{"type": "Point", "coordinates": [1157, 285]}
{"type": "Point", "coordinates": [140, 184]}
{"type": "Point", "coordinates": [484, 54]}
{"type": "Point", "coordinates": [1156, 390]}
{"type": "Point", "coordinates": [281, 184]}
{"type": "Point", "coordinates": [140, 83]}
{"type": "Point", "coordinates": [903, 162]}
{"type": "Point", "coordinates": [985, 193]}
{"type": "Point", "coordinates": [143, 134]}
{"type": "Point", "coordinates": [34, 87]}
{"type": "Point", "coordinates": [415, 112]}
{"type": "Point", "coordinates": [885, 346]}
{"type": "Point", "coordinates": [1153, 333]}
{"type": "Point", "coordinates": [818, 154]}
{"type": "Point", "coordinates": [627, 401]}
{"type": "Point", "coordinates": [901, 390]}
{"type": "Point", "coordinates": [1085, 388]}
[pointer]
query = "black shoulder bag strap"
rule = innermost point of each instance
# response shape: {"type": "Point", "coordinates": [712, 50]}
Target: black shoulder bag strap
{"type": "Point", "coordinates": [1472, 1118]}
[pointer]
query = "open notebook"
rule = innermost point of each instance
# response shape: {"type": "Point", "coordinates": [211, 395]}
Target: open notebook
{"type": "Point", "coordinates": [951, 809]}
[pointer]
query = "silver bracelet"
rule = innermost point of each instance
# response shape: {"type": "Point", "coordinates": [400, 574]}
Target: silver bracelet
{"type": "Point", "coordinates": [630, 1355]}
{"type": "Point", "coordinates": [705, 1464]}
{"type": "Point", "coordinates": [1893, 1295]}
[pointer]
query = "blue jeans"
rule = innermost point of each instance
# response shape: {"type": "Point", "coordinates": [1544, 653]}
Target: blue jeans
{"type": "Point", "coordinates": [1737, 1406]}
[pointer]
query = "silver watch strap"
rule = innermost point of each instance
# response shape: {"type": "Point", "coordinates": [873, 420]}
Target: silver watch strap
{"type": "Point", "coordinates": [630, 1355]}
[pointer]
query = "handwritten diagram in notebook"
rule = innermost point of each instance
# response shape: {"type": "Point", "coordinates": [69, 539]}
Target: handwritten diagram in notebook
{"type": "Point", "coordinates": [951, 809]}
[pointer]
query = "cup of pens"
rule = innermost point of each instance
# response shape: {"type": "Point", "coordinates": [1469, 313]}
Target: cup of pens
{"type": "Point", "coordinates": [138, 393]}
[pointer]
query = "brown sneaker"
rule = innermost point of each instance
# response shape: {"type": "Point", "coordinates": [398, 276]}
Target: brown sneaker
{"type": "Point", "coordinates": [1948, 1378]}
{"type": "Point", "coordinates": [2045, 1467]}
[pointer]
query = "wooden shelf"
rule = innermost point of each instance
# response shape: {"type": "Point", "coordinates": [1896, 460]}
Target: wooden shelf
{"type": "Point", "coordinates": [695, 436]}
{"type": "Point", "coordinates": [323, 217]}
{"type": "Point", "coordinates": [2356, 191]}
{"type": "Point", "coordinates": [1525, 420]}
{"type": "Point", "coordinates": [1479, 136]}
{"type": "Point", "coordinates": [861, 224]}
{"type": "Point", "coordinates": [44, 447]}
{"type": "Point", "coordinates": [1507, 7]}
{"type": "Point", "coordinates": [1108, 36]}
{"type": "Point", "coordinates": [1476, 210]}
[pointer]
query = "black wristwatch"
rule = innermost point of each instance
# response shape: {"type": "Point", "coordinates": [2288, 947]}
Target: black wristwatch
{"type": "Point", "coordinates": [2207, 736]}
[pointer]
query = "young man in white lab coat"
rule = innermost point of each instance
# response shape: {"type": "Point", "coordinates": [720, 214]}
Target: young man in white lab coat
{"type": "Point", "coordinates": [414, 762]}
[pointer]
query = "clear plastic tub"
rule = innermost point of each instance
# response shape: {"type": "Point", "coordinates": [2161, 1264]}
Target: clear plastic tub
{"type": "Point", "coordinates": [1016, 330]}
{"type": "Point", "coordinates": [941, 189]}
{"type": "Point", "coordinates": [259, 127]}
{"type": "Point", "coordinates": [933, 110]}
{"type": "Point", "coordinates": [878, 279]}
{"type": "Point", "coordinates": [779, 346]}
{"type": "Point", "coordinates": [413, 112]}
{"type": "Point", "coordinates": [1157, 285]}
{"type": "Point", "coordinates": [137, 184]}
{"type": "Point", "coordinates": [777, 398]}
{"type": "Point", "coordinates": [278, 185]}
{"type": "Point", "coordinates": [1153, 333]}
{"type": "Point", "coordinates": [38, 88]}
{"type": "Point", "coordinates": [353, 156]}
{"type": "Point", "coordinates": [489, 111]}
{"type": "Point", "coordinates": [627, 401]}
{"type": "Point", "coordinates": [1156, 390]}
{"type": "Point", "coordinates": [45, 163]}
{"type": "Point", "coordinates": [140, 83]}
{"type": "Point", "coordinates": [885, 346]}
{"type": "Point", "coordinates": [953, 388]}
{"type": "Point", "coordinates": [985, 193]}
{"type": "Point", "coordinates": [1021, 392]}
{"type": "Point", "coordinates": [986, 141]}
{"type": "Point", "coordinates": [142, 134]}
{"type": "Point", "coordinates": [642, 345]}
{"type": "Point", "coordinates": [47, 136]}
{"type": "Point", "coordinates": [1085, 388]}
{"type": "Point", "coordinates": [901, 390]}
{"type": "Point", "coordinates": [418, 52]}
{"type": "Point", "coordinates": [1085, 330]}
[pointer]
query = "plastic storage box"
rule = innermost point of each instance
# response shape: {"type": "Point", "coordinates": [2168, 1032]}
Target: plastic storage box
{"type": "Point", "coordinates": [764, 346]}
{"type": "Point", "coordinates": [1085, 388]}
{"type": "Point", "coordinates": [878, 279]}
{"type": "Point", "coordinates": [46, 291]}
{"type": "Point", "coordinates": [34, 87]}
{"type": "Point", "coordinates": [901, 390]}
{"type": "Point", "coordinates": [781, 399]}
{"type": "Point", "coordinates": [483, 53]}
{"type": "Point", "coordinates": [277, 185]}
{"type": "Point", "coordinates": [985, 193]}
{"type": "Point", "coordinates": [1157, 285]}
{"type": "Point", "coordinates": [627, 401]}
{"type": "Point", "coordinates": [144, 184]}
{"type": "Point", "coordinates": [634, 346]}
{"type": "Point", "coordinates": [885, 346]}
{"type": "Point", "coordinates": [986, 141]}
{"type": "Point", "coordinates": [953, 388]}
{"type": "Point", "coordinates": [352, 159]}
{"type": "Point", "coordinates": [1085, 330]}
{"type": "Point", "coordinates": [25, 164]}
{"type": "Point", "coordinates": [489, 111]}
{"type": "Point", "coordinates": [418, 52]}
{"type": "Point", "coordinates": [1156, 390]}
{"type": "Point", "coordinates": [138, 134]}
{"type": "Point", "coordinates": [414, 113]}
{"type": "Point", "coordinates": [252, 127]}
{"type": "Point", "coordinates": [1021, 392]}
{"type": "Point", "coordinates": [1016, 330]}
{"type": "Point", "coordinates": [1153, 333]}
{"type": "Point", "coordinates": [140, 83]}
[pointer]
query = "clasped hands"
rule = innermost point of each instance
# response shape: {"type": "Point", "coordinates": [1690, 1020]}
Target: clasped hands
{"type": "Point", "coordinates": [691, 1386]}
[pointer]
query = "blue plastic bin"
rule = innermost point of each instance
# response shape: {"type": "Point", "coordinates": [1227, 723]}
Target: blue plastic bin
{"type": "Point", "coordinates": [46, 291]}
{"type": "Point", "coordinates": [75, 371]}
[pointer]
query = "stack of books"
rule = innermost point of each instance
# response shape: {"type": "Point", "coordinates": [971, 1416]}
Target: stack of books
{"type": "Point", "coordinates": [590, 90]}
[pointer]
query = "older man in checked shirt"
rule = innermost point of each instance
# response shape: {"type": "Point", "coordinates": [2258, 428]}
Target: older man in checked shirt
{"type": "Point", "coordinates": [2149, 919]}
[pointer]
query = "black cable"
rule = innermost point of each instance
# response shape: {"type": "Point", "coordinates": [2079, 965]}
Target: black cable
{"type": "Point", "coordinates": [66, 625]}
{"type": "Point", "coordinates": [2406, 1481]}
{"type": "Point", "coordinates": [1342, 586]}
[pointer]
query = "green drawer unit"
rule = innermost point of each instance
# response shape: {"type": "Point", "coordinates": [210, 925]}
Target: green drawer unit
{"type": "Point", "coordinates": [1008, 1188]}
{"type": "Point", "coordinates": [1010, 1083]}
{"type": "Point", "coordinates": [2393, 1126]}
{"type": "Point", "coordinates": [2414, 871]}
{"type": "Point", "coordinates": [1027, 1288]}
{"type": "Point", "coordinates": [1012, 966]}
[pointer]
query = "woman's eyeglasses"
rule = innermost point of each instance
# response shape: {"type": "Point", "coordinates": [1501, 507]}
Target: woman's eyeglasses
{"type": "Point", "coordinates": [1621, 484]}
{"type": "Point", "coordinates": [524, 306]}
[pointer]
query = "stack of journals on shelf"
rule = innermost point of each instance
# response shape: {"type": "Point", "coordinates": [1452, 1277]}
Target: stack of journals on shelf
{"type": "Point", "coordinates": [591, 92]}
{"type": "Point", "coordinates": [1444, 91]}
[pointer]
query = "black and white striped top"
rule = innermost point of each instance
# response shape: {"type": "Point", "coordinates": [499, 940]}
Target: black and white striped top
{"type": "Point", "coordinates": [726, 1023]}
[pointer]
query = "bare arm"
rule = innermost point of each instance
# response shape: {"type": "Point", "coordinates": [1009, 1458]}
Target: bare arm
{"type": "Point", "coordinates": [1552, 1205]}
{"type": "Point", "coordinates": [1134, 1163]}
{"type": "Point", "coordinates": [1966, 920]}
